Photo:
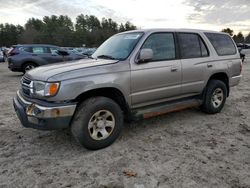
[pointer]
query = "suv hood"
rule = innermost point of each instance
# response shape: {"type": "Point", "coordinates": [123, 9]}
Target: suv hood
{"type": "Point", "coordinates": [43, 73]}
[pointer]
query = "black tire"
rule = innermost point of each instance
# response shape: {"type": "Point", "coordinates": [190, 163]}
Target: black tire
{"type": "Point", "coordinates": [28, 66]}
{"type": "Point", "coordinates": [85, 113]}
{"type": "Point", "coordinates": [209, 106]}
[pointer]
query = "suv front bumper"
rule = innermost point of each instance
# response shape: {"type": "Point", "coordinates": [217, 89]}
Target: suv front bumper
{"type": "Point", "coordinates": [44, 116]}
{"type": "Point", "coordinates": [12, 66]}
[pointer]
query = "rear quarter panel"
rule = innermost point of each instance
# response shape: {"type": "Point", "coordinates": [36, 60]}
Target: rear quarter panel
{"type": "Point", "coordinates": [228, 64]}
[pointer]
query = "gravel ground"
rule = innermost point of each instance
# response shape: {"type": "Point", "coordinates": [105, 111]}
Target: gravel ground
{"type": "Point", "coordinates": [182, 149]}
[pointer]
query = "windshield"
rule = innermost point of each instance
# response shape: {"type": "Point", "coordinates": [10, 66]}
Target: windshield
{"type": "Point", "coordinates": [118, 47]}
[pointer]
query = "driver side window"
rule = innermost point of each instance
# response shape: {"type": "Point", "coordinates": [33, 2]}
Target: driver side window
{"type": "Point", "coordinates": [54, 51]}
{"type": "Point", "coordinates": [163, 46]}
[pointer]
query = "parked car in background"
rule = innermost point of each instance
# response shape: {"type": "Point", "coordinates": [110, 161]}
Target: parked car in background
{"type": "Point", "coordinates": [89, 51]}
{"type": "Point", "coordinates": [74, 50]}
{"type": "Point", "coordinates": [242, 55]}
{"type": "Point", "coordinates": [78, 50]}
{"type": "Point", "coordinates": [22, 58]}
{"type": "Point", "coordinates": [1, 56]}
{"type": "Point", "coordinates": [5, 51]}
{"type": "Point", "coordinates": [67, 48]}
{"type": "Point", "coordinates": [243, 46]}
{"type": "Point", "coordinates": [83, 51]}
{"type": "Point", "coordinates": [75, 53]}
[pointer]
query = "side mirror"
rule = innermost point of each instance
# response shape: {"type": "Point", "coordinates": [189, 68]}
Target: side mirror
{"type": "Point", "coordinates": [145, 55]}
{"type": "Point", "coordinates": [62, 53]}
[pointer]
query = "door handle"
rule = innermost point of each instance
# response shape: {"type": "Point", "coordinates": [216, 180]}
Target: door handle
{"type": "Point", "coordinates": [174, 69]}
{"type": "Point", "coordinates": [34, 55]}
{"type": "Point", "coordinates": [209, 65]}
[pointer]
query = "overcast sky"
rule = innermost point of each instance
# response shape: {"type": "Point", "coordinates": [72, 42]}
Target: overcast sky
{"type": "Point", "coordinates": [202, 14]}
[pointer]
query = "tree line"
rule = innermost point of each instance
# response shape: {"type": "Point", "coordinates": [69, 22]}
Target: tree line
{"type": "Point", "coordinates": [61, 31]}
{"type": "Point", "coordinates": [238, 38]}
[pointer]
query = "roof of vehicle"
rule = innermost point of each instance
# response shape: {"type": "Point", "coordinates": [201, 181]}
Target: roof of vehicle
{"type": "Point", "coordinates": [41, 45]}
{"type": "Point", "coordinates": [173, 30]}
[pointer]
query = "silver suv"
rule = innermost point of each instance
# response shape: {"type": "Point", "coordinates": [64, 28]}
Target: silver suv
{"type": "Point", "coordinates": [132, 75]}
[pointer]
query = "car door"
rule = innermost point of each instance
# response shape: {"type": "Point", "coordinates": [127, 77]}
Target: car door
{"type": "Point", "coordinates": [41, 55]}
{"type": "Point", "coordinates": [54, 56]}
{"type": "Point", "coordinates": [194, 58]}
{"type": "Point", "coordinates": [159, 79]}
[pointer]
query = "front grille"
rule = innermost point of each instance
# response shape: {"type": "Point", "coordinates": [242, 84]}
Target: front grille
{"type": "Point", "coordinates": [26, 91]}
{"type": "Point", "coordinates": [27, 86]}
{"type": "Point", "coordinates": [26, 81]}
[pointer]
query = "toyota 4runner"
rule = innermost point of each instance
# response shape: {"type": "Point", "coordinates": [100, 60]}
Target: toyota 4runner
{"type": "Point", "coordinates": [132, 75]}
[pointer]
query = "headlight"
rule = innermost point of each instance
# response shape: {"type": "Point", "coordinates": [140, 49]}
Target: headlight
{"type": "Point", "coordinates": [45, 89]}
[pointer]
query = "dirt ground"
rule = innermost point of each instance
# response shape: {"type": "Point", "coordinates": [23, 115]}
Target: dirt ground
{"type": "Point", "coordinates": [182, 149]}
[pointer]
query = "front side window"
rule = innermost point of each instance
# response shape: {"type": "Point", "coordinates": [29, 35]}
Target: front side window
{"type": "Point", "coordinates": [192, 46]}
{"type": "Point", "coordinates": [223, 44]}
{"type": "Point", "coordinates": [54, 51]}
{"type": "Point", "coordinates": [163, 46]}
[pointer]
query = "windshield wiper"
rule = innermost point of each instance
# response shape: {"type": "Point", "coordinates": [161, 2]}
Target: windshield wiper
{"type": "Point", "coordinates": [105, 57]}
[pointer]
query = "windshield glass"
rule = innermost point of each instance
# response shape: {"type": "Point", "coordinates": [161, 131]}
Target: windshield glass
{"type": "Point", "coordinates": [118, 47]}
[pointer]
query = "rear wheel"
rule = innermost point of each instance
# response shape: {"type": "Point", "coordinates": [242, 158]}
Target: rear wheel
{"type": "Point", "coordinates": [28, 66]}
{"type": "Point", "coordinates": [97, 123]}
{"type": "Point", "coordinates": [215, 97]}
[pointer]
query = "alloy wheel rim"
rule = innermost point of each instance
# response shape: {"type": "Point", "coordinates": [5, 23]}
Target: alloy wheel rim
{"type": "Point", "coordinates": [101, 125]}
{"type": "Point", "coordinates": [217, 97]}
{"type": "Point", "coordinates": [29, 67]}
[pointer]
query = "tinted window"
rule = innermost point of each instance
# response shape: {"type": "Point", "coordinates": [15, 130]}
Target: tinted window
{"type": "Point", "coordinates": [54, 50]}
{"type": "Point", "coordinates": [25, 49]}
{"type": "Point", "coordinates": [223, 44]}
{"type": "Point", "coordinates": [204, 51]}
{"type": "Point", "coordinates": [162, 44]}
{"type": "Point", "coordinates": [39, 50]}
{"type": "Point", "coordinates": [192, 46]}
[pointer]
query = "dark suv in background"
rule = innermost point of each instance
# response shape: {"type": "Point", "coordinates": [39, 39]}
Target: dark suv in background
{"type": "Point", "coordinates": [22, 58]}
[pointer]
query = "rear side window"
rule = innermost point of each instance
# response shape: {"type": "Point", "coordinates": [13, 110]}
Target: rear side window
{"type": "Point", "coordinates": [162, 44]}
{"type": "Point", "coordinates": [25, 49]}
{"type": "Point", "coordinates": [192, 46]}
{"type": "Point", "coordinates": [223, 44]}
{"type": "Point", "coordinates": [39, 50]}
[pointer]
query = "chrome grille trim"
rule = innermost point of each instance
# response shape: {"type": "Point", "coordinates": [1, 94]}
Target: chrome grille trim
{"type": "Point", "coordinates": [27, 86]}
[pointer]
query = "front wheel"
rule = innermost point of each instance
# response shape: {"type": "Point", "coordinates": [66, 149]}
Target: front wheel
{"type": "Point", "coordinates": [28, 66]}
{"type": "Point", "coordinates": [97, 123]}
{"type": "Point", "coordinates": [215, 97]}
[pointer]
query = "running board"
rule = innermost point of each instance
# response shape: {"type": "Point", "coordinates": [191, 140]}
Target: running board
{"type": "Point", "coordinates": [164, 108]}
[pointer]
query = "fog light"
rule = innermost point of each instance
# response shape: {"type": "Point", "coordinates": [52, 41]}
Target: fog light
{"type": "Point", "coordinates": [31, 110]}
